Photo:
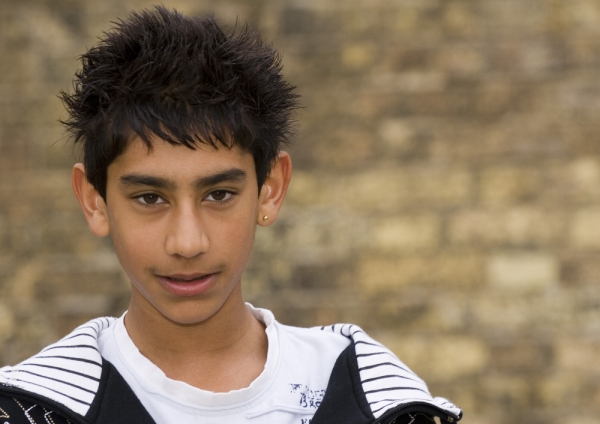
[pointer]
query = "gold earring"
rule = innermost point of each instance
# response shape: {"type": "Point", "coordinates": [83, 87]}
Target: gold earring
{"type": "Point", "coordinates": [265, 218]}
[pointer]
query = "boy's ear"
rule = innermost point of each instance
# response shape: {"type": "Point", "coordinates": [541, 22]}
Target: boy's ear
{"type": "Point", "coordinates": [273, 190]}
{"type": "Point", "coordinates": [92, 204]}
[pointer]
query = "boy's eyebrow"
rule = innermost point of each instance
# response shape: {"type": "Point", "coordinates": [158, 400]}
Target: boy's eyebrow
{"type": "Point", "coordinates": [146, 180]}
{"type": "Point", "coordinates": [134, 179]}
{"type": "Point", "coordinates": [231, 175]}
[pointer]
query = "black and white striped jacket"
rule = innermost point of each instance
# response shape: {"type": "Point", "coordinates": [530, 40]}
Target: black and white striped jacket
{"type": "Point", "coordinates": [70, 382]}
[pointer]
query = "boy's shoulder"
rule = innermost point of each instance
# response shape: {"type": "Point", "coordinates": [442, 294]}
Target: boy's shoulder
{"type": "Point", "coordinates": [380, 383]}
{"type": "Point", "coordinates": [68, 371]}
{"type": "Point", "coordinates": [69, 382]}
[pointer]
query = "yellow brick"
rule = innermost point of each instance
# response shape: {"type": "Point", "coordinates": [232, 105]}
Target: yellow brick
{"type": "Point", "coordinates": [503, 312]}
{"type": "Point", "coordinates": [410, 82]}
{"type": "Point", "coordinates": [406, 20]}
{"type": "Point", "coordinates": [455, 270]}
{"type": "Point", "coordinates": [523, 271]}
{"type": "Point", "coordinates": [305, 189]}
{"type": "Point", "coordinates": [560, 388]}
{"type": "Point", "coordinates": [407, 233]}
{"type": "Point", "coordinates": [358, 56]}
{"type": "Point", "coordinates": [459, 19]}
{"type": "Point", "coordinates": [578, 355]}
{"type": "Point", "coordinates": [513, 391]}
{"type": "Point", "coordinates": [386, 189]}
{"type": "Point", "coordinates": [441, 358]}
{"type": "Point", "coordinates": [585, 14]}
{"type": "Point", "coordinates": [502, 185]}
{"type": "Point", "coordinates": [576, 182]}
{"type": "Point", "coordinates": [397, 134]}
{"type": "Point", "coordinates": [462, 60]}
{"type": "Point", "coordinates": [7, 323]}
{"type": "Point", "coordinates": [515, 226]}
{"type": "Point", "coordinates": [585, 229]}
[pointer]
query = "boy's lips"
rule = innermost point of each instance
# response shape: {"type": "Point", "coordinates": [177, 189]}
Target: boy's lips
{"type": "Point", "coordinates": [187, 284]}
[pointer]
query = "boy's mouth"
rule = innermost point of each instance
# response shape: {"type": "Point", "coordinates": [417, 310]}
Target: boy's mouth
{"type": "Point", "coordinates": [186, 279]}
{"type": "Point", "coordinates": [187, 284]}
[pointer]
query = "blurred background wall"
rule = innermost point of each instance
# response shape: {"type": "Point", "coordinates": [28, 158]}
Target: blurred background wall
{"type": "Point", "coordinates": [446, 194]}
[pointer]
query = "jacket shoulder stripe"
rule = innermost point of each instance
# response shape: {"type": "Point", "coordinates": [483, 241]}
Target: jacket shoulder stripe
{"type": "Point", "coordinates": [79, 335]}
{"type": "Point", "coordinates": [58, 369]}
{"type": "Point", "coordinates": [381, 377]}
{"type": "Point", "coordinates": [362, 355]}
{"type": "Point", "coordinates": [366, 343]}
{"type": "Point", "coordinates": [393, 389]}
{"type": "Point", "coordinates": [382, 364]}
{"type": "Point", "coordinates": [81, 346]}
{"type": "Point", "coordinates": [377, 365]}
{"type": "Point", "coordinates": [71, 358]}
{"type": "Point", "coordinates": [56, 379]}
{"type": "Point", "coordinates": [67, 371]}
{"type": "Point", "coordinates": [59, 393]}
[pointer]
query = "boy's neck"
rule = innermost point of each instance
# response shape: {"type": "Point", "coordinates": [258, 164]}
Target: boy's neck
{"type": "Point", "coordinates": [226, 352]}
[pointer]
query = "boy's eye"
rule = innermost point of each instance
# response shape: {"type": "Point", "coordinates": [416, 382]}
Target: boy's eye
{"type": "Point", "coordinates": [150, 199]}
{"type": "Point", "coordinates": [219, 196]}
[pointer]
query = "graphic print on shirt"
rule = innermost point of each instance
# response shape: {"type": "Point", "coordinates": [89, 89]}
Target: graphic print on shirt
{"type": "Point", "coordinates": [308, 398]}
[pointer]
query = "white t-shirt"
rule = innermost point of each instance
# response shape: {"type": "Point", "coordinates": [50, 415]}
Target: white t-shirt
{"type": "Point", "coordinates": [288, 391]}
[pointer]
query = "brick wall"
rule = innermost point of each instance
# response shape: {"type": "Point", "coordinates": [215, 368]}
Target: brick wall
{"type": "Point", "coordinates": [446, 190]}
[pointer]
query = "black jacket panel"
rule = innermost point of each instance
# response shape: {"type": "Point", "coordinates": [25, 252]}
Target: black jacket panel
{"type": "Point", "coordinates": [114, 403]}
{"type": "Point", "coordinates": [21, 408]}
{"type": "Point", "coordinates": [344, 401]}
{"type": "Point", "coordinates": [114, 394]}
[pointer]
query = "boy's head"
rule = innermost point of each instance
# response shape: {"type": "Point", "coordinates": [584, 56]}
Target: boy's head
{"type": "Point", "coordinates": [185, 80]}
{"type": "Point", "coordinates": [181, 125]}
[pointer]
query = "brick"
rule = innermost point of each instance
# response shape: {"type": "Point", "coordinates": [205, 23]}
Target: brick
{"type": "Point", "coordinates": [519, 226]}
{"type": "Point", "coordinates": [81, 304]}
{"type": "Point", "coordinates": [449, 270]}
{"type": "Point", "coordinates": [520, 356]}
{"type": "Point", "coordinates": [576, 182]}
{"type": "Point", "coordinates": [459, 19]}
{"type": "Point", "coordinates": [578, 355]}
{"type": "Point", "coordinates": [462, 60]}
{"type": "Point", "coordinates": [358, 56]}
{"type": "Point", "coordinates": [505, 185]}
{"type": "Point", "coordinates": [7, 323]}
{"type": "Point", "coordinates": [584, 15]}
{"type": "Point", "coordinates": [494, 97]}
{"type": "Point", "coordinates": [560, 388]}
{"type": "Point", "coordinates": [580, 270]}
{"type": "Point", "coordinates": [407, 233]}
{"type": "Point", "coordinates": [523, 271]}
{"type": "Point", "coordinates": [585, 229]}
{"type": "Point", "coordinates": [410, 82]}
{"type": "Point", "coordinates": [347, 147]}
{"type": "Point", "coordinates": [512, 391]}
{"type": "Point", "coordinates": [439, 358]}
{"type": "Point", "coordinates": [314, 235]}
{"type": "Point", "coordinates": [397, 134]}
{"type": "Point", "coordinates": [501, 315]}
{"type": "Point", "coordinates": [384, 189]}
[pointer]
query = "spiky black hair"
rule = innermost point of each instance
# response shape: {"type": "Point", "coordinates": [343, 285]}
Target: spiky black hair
{"type": "Point", "coordinates": [185, 79]}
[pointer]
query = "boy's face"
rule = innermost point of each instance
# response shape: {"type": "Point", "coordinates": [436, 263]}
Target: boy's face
{"type": "Point", "coordinates": [182, 223]}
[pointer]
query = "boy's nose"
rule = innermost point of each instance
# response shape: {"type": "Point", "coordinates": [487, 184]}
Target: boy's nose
{"type": "Point", "coordinates": [186, 237]}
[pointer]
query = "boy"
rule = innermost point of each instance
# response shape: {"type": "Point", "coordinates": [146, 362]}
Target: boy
{"type": "Point", "coordinates": [181, 125]}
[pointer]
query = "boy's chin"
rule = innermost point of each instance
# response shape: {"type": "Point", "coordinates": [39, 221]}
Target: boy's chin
{"type": "Point", "coordinates": [190, 312]}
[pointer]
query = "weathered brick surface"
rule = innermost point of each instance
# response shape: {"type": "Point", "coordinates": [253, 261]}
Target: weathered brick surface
{"type": "Point", "coordinates": [446, 194]}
